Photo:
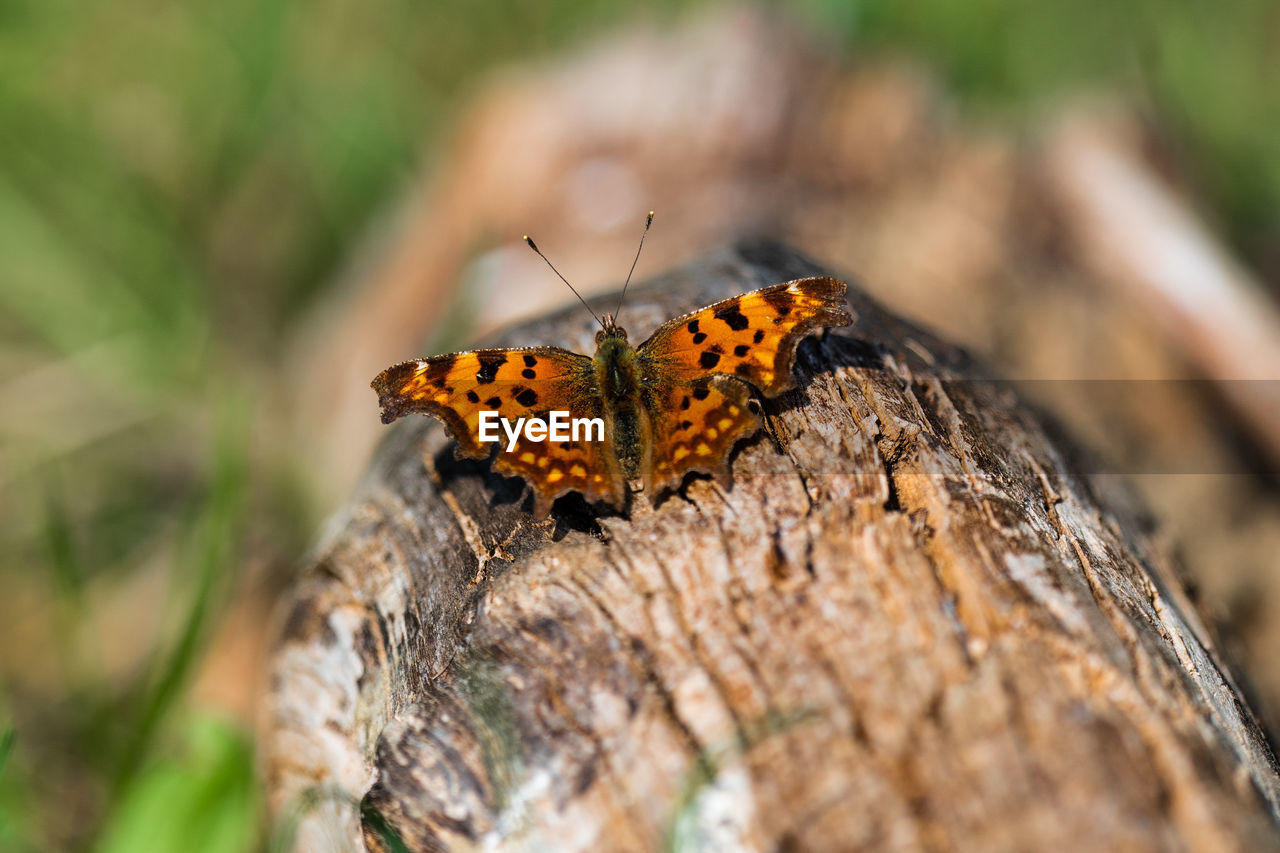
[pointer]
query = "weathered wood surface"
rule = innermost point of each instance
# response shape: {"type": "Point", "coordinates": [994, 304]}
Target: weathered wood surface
{"type": "Point", "coordinates": [908, 624]}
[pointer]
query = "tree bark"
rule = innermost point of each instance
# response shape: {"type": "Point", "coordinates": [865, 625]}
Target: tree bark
{"type": "Point", "coordinates": [908, 623]}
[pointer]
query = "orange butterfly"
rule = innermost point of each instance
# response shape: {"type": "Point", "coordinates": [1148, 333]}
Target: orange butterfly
{"type": "Point", "coordinates": [677, 403]}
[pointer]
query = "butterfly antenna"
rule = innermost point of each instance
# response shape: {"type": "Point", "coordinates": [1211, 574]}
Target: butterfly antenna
{"type": "Point", "coordinates": [534, 246]}
{"type": "Point", "coordinates": [647, 223]}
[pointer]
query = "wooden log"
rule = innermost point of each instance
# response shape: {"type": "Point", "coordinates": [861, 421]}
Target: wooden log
{"type": "Point", "coordinates": [908, 623]}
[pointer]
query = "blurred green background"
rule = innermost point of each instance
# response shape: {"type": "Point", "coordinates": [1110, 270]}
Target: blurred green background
{"type": "Point", "coordinates": [181, 182]}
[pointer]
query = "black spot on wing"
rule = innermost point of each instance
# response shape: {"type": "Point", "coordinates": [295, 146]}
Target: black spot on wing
{"type": "Point", "coordinates": [709, 360]}
{"type": "Point", "coordinates": [530, 360]}
{"type": "Point", "coordinates": [781, 301]}
{"type": "Point", "coordinates": [527, 397]}
{"type": "Point", "coordinates": [489, 364]}
{"type": "Point", "coordinates": [529, 373]}
{"type": "Point", "coordinates": [732, 317]}
{"type": "Point", "coordinates": [493, 402]}
{"type": "Point", "coordinates": [473, 397]}
{"type": "Point", "coordinates": [699, 337]}
{"type": "Point", "coordinates": [741, 349]}
{"type": "Point", "coordinates": [701, 393]}
{"type": "Point", "coordinates": [758, 336]}
{"type": "Point", "coordinates": [693, 327]}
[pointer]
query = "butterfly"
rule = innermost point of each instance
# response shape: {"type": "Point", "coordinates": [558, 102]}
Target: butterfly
{"type": "Point", "coordinates": [676, 403]}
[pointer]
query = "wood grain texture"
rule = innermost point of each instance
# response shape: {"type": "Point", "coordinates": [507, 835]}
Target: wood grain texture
{"type": "Point", "coordinates": [908, 624]}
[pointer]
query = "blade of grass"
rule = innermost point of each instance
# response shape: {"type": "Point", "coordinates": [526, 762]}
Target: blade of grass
{"type": "Point", "coordinates": [6, 744]}
{"type": "Point", "coordinates": [67, 576]}
{"type": "Point", "coordinates": [215, 535]}
{"type": "Point", "coordinates": [377, 821]}
{"type": "Point", "coordinates": [284, 836]}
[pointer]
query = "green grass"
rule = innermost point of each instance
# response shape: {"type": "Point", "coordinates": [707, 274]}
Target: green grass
{"type": "Point", "coordinates": [201, 797]}
{"type": "Point", "coordinates": [178, 183]}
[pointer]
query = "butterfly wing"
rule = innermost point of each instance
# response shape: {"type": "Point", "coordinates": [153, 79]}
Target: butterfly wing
{"type": "Point", "coordinates": [752, 337]}
{"type": "Point", "coordinates": [693, 427]}
{"type": "Point", "coordinates": [696, 367]}
{"type": "Point", "coordinates": [515, 383]}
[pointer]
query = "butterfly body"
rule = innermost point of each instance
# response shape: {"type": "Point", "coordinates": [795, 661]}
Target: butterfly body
{"type": "Point", "coordinates": [676, 403]}
{"type": "Point", "coordinates": [619, 382]}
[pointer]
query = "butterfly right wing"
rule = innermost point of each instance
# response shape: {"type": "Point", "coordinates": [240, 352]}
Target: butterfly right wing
{"type": "Point", "coordinates": [694, 428]}
{"type": "Point", "coordinates": [752, 336]}
{"type": "Point", "coordinates": [697, 366]}
{"type": "Point", "coordinates": [515, 383]}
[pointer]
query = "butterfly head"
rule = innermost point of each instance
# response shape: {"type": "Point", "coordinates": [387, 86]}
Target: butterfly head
{"type": "Point", "coordinates": [610, 329]}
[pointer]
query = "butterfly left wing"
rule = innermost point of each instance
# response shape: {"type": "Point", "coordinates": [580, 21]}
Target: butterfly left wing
{"type": "Point", "coordinates": [458, 386]}
{"type": "Point", "coordinates": [515, 383]}
{"type": "Point", "coordinates": [752, 336]}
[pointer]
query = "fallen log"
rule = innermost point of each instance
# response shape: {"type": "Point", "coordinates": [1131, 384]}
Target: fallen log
{"type": "Point", "coordinates": [908, 622]}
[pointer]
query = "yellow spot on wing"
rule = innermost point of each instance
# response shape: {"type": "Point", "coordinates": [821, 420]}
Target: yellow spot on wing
{"type": "Point", "coordinates": [577, 470]}
{"type": "Point", "coordinates": [680, 452]}
{"type": "Point", "coordinates": [725, 423]}
{"type": "Point", "coordinates": [704, 449]}
{"type": "Point", "coordinates": [527, 457]}
{"type": "Point", "coordinates": [555, 475]}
